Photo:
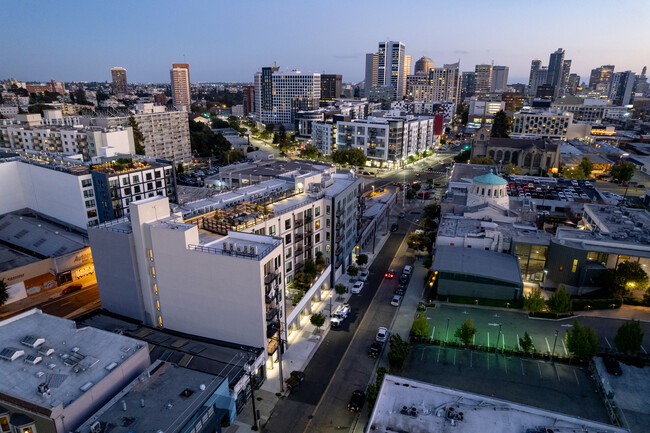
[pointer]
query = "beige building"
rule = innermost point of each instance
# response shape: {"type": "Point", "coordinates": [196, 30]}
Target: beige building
{"type": "Point", "coordinates": [180, 78]}
{"type": "Point", "coordinates": [119, 81]}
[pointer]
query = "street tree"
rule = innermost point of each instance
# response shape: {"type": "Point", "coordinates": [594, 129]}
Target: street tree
{"type": "Point", "coordinates": [500, 125]}
{"type": "Point", "coordinates": [353, 271]}
{"type": "Point", "coordinates": [534, 302]}
{"type": "Point", "coordinates": [629, 337]}
{"type": "Point", "coordinates": [317, 320]}
{"type": "Point", "coordinates": [418, 241]}
{"type": "Point", "coordinates": [362, 259]}
{"type": "Point", "coordinates": [622, 172]}
{"type": "Point", "coordinates": [179, 168]}
{"type": "Point", "coordinates": [526, 342]}
{"type": "Point", "coordinates": [627, 276]}
{"type": "Point", "coordinates": [586, 165]}
{"type": "Point", "coordinates": [466, 332]}
{"type": "Point", "coordinates": [416, 187]}
{"type": "Point", "coordinates": [560, 301]}
{"type": "Point", "coordinates": [4, 293]}
{"type": "Point", "coordinates": [399, 351]}
{"type": "Point", "coordinates": [574, 173]}
{"type": "Point", "coordinates": [483, 160]}
{"type": "Point", "coordinates": [309, 152]}
{"type": "Point", "coordinates": [582, 341]}
{"type": "Point", "coordinates": [420, 327]}
{"type": "Point", "coordinates": [340, 289]}
{"type": "Point", "coordinates": [512, 169]}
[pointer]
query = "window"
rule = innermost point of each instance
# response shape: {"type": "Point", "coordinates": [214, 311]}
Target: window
{"type": "Point", "coordinates": [317, 238]}
{"type": "Point", "coordinates": [289, 267]}
{"type": "Point", "coordinates": [592, 255]}
{"type": "Point", "coordinates": [157, 305]}
{"type": "Point", "coordinates": [125, 181]}
{"type": "Point", "coordinates": [158, 174]}
{"type": "Point", "coordinates": [153, 272]}
{"type": "Point", "coordinates": [86, 183]}
{"type": "Point", "coordinates": [148, 176]}
{"type": "Point", "coordinates": [287, 253]}
{"type": "Point", "coordinates": [287, 238]}
{"type": "Point", "coordinates": [91, 213]}
{"type": "Point", "coordinates": [327, 209]}
{"type": "Point", "coordinates": [155, 288]}
{"type": "Point", "coordinates": [272, 231]}
{"type": "Point", "coordinates": [317, 224]}
{"type": "Point", "coordinates": [575, 265]}
{"type": "Point", "coordinates": [136, 178]}
{"type": "Point", "coordinates": [327, 223]}
{"type": "Point", "coordinates": [4, 424]}
{"type": "Point", "coordinates": [287, 224]}
{"type": "Point", "coordinates": [127, 191]}
{"type": "Point", "coordinates": [327, 236]}
{"type": "Point", "coordinates": [89, 193]}
{"type": "Point", "coordinates": [317, 211]}
{"type": "Point", "coordinates": [90, 203]}
{"type": "Point", "coordinates": [136, 189]}
{"type": "Point", "coordinates": [158, 184]}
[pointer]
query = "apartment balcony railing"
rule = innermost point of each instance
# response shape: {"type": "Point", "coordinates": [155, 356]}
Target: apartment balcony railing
{"type": "Point", "coordinates": [270, 277]}
{"type": "Point", "coordinates": [340, 212]}
{"type": "Point", "coordinates": [299, 251]}
{"type": "Point", "coordinates": [271, 314]}
{"type": "Point", "coordinates": [298, 223]}
{"type": "Point", "coordinates": [339, 238]}
{"type": "Point", "coordinates": [298, 237]}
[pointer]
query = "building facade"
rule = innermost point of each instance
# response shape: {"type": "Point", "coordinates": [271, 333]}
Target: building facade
{"type": "Point", "coordinates": [118, 75]}
{"type": "Point", "coordinates": [483, 78]}
{"type": "Point", "coordinates": [542, 124]}
{"type": "Point", "coordinates": [423, 65]}
{"type": "Point", "coordinates": [499, 81]}
{"type": "Point", "coordinates": [330, 88]}
{"type": "Point", "coordinates": [280, 95]}
{"type": "Point", "coordinates": [392, 68]}
{"type": "Point", "coordinates": [180, 80]}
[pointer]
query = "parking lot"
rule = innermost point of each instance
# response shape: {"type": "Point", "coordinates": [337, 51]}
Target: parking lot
{"type": "Point", "coordinates": [509, 326]}
{"type": "Point", "coordinates": [552, 386]}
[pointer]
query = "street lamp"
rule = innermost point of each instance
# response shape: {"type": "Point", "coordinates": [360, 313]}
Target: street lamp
{"type": "Point", "coordinates": [554, 343]}
{"type": "Point", "coordinates": [496, 348]}
{"type": "Point", "coordinates": [447, 333]}
{"type": "Point", "coordinates": [330, 298]}
{"type": "Point", "coordinates": [250, 381]}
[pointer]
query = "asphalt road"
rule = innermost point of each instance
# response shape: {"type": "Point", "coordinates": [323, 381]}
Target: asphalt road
{"type": "Point", "coordinates": [73, 304]}
{"type": "Point", "coordinates": [348, 365]}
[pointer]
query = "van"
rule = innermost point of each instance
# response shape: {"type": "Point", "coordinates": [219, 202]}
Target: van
{"type": "Point", "coordinates": [407, 270]}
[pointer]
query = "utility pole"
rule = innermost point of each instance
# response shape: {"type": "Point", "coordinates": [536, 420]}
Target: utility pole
{"type": "Point", "coordinates": [280, 347]}
{"type": "Point", "coordinates": [554, 343]}
{"type": "Point", "coordinates": [447, 334]}
{"type": "Point", "coordinates": [496, 349]}
{"type": "Point", "coordinates": [250, 381]}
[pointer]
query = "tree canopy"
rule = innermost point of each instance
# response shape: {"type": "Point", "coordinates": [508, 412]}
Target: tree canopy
{"type": "Point", "coordinates": [586, 165]}
{"type": "Point", "coordinates": [138, 136]}
{"type": "Point", "coordinates": [622, 172]}
{"type": "Point", "coordinates": [534, 302]}
{"type": "Point", "coordinates": [627, 276]}
{"type": "Point", "coordinates": [466, 332]}
{"type": "Point", "coordinates": [353, 157]}
{"type": "Point", "coordinates": [560, 301]}
{"type": "Point", "coordinates": [574, 173]}
{"type": "Point", "coordinates": [582, 341]}
{"type": "Point", "coordinates": [483, 160]}
{"type": "Point", "coordinates": [629, 337]}
{"type": "Point", "coordinates": [309, 152]}
{"type": "Point", "coordinates": [4, 293]}
{"type": "Point", "coordinates": [500, 125]}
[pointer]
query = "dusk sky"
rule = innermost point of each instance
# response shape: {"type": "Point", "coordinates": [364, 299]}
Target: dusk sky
{"type": "Point", "coordinates": [230, 40]}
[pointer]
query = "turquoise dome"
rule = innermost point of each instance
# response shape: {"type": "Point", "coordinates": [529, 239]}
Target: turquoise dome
{"type": "Point", "coordinates": [490, 179]}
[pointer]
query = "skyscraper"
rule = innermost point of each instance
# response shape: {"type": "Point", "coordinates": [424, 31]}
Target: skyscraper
{"type": "Point", "coordinates": [483, 78]}
{"type": "Point", "coordinates": [555, 68]}
{"type": "Point", "coordinates": [446, 83]}
{"type": "Point", "coordinates": [180, 77]}
{"type": "Point", "coordinates": [468, 85]}
{"type": "Point", "coordinates": [423, 65]}
{"type": "Point", "coordinates": [535, 66]}
{"type": "Point", "coordinates": [280, 95]}
{"type": "Point", "coordinates": [566, 71]}
{"type": "Point", "coordinates": [330, 88]}
{"type": "Point", "coordinates": [601, 77]}
{"type": "Point", "coordinates": [620, 90]}
{"type": "Point", "coordinates": [119, 81]}
{"type": "Point", "coordinates": [372, 68]}
{"type": "Point", "coordinates": [391, 67]}
{"type": "Point", "coordinates": [573, 84]}
{"type": "Point", "coordinates": [499, 79]}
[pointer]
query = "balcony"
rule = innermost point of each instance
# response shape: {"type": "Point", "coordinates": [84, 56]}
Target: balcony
{"type": "Point", "coordinates": [298, 237]}
{"type": "Point", "coordinates": [269, 296]}
{"type": "Point", "coordinates": [339, 250]}
{"type": "Point", "coordinates": [309, 229]}
{"type": "Point", "coordinates": [299, 266]}
{"type": "Point", "coordinates": [340, 226]}
{"type": "Point", "coordinates": [340, 212]}
{"type": "Point", "coordinates": [298, 252]}
{"type": "Point", "coordinates": [298, 223]}
{"type": "Point", "coordinates": [271, 314]}
{"type": "Point", "coordinates": [270, 277]}
{"type": "Point", "coordinates": [339, 238]}
{"type": "Point", "coordinates": [272, 328]}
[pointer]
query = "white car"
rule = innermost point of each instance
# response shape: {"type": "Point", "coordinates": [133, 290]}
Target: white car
{"type": "Point", "coordinates": [358, 286]}
{"type": "Point", "coordinates": [363, 275]}
{"type": "Point", "coordinates": [397, 299]}
{"type": "Point", "coordinates": [340, 314]}
{"type": "Point", "coordinates": [407, 270]}
{"type": "Point", "coordinates": [382, 335]}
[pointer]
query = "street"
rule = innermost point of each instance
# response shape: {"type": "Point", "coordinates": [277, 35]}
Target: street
{"type": "Point", "coordinates": [53, 302]}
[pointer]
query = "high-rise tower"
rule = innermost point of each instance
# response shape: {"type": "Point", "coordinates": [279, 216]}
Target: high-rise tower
{"type": "Point", "coordinates": [180, 78]}
{"type": "Point", "coordinates": [119, 81]}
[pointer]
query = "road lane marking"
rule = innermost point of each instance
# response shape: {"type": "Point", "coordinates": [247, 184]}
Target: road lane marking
{"type": "Point", "coordinates": [576, 375]}
{"type": "Point", "coordinates": [488, 340]}
{"type": "Point", "coordinates": [474, 339]}
{"type": "Point", "coordinates": [518, 345]}
{"type": "Point", "coordinates": [556, 372]}
{"type": "Point", "coordinates": [548, 345]}
{"type": "Point", "coordinates": [503, 342]}
{"type": "Point", "coordinates": [433, 332]}
{"type": "Point", "coordinates": [607, 341]}
{"type": "Point", "coordinates": [438, 360]}
{"type": "Point", "coordinates": [422, 356]}
{"type": "Point", "coordinates": [643, 348]}
{"type": "Point", "coordinates": [522, 367]}
{"type": "Point", "coordinates": [564, 346]}
{"type": "Point", "coordinates": [540, 370]}
{"type": "Point", "coordinates": [455, 356]}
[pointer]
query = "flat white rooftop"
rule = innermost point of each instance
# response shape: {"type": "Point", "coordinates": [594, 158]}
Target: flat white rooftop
{"type": "Point", "coordinates": [37, 348]}
{"type": "Point", "coordinates": [405, 405]}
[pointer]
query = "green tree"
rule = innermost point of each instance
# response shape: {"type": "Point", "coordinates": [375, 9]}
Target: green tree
{"type": "Point", "coordinates": [622, 172]}
{"type": "Point", "coordinates": [586, 165]}
{"type": "Point", "coordinates": [500, 125]}
{"type": "Point", "coordinates": [138, 136]}
{"type": "Point", "coordinates": [309, 152]}
{"type": "Point", "coordinates": [373, 388]}
{"type": "Point", "coordinates": [180, 168]}
{"type": "Point", "coordinates": [357, 158]}
{"type": "Point", "coordinates": [353, 271]}
{"type": "Point", "coordinates": [560, 301]}
{"type": "Point", "coordinates": [416, 187]}
{"type": "Point", "coordinates": [574, 173]}
{"type": "Point", "coordinates": [310, 268]}
{"type": "Point", "coordinates": [418, 241]}
{"type": "Point", "coordinates": [427, 263]}
{"type": "Point", "coordinates": [512, 169]}
{"type": "Point", "coordinates": [219, 123]}
{"type": "Point", "coordinates": [4, 293]}
{"type": "Point", "coordinates": [629, 337]}
{"type": "Point", "coordinates": [483, 160]}
{"type": "Point", "coordinates": [399, 351]}
{"type": "Point", "coordinates": [317, 320]}
{"type": "Point", "coordinates": [410, 194]}
{"type": "Point", "coordinates": [362, 259]}
{"type": "Point", "coordinates": [534, 302]}
{"type": "Point", "coordinates": [340, 289]}
{"type": "Point", "coordinates": [320, 259]}
{"type": "Point", "coordinates": [582, 341]}
{"type": "Point", "coordinates": [420, 327]}
{"type": "Point", "coordinates": [466, 332]}
{"type": "Point", "coordinates": [526, 342]}
{"type": "Point", "coordinates": [463, 156]}
{"type": "Point", "coordinates": [627, 276]}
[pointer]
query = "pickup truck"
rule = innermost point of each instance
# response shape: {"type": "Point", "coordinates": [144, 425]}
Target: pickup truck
{"type": "Point", "coordinates": [340, 314]}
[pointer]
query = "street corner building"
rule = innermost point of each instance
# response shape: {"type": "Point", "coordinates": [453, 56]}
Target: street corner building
{"type": "Point", "coordinates": [477, 273]}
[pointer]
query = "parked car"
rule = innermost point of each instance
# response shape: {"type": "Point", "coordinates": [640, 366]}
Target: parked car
{"type": "Point", "coordinates": [402, 214]}
{"type": "Point", "coordinates": [612, 366]}
{"type": "Point", "coordinates": [400, 291]}
{"type": "Point", "coordinates": [396, 301]}
{"type": "Point", "coordinates": [389, 274]}
{"type": "Point", "coordinates": [394, 227]}
{"type": "Point", "coordinates": [295, 379]}
{"type": "Point", "coordinates": [404, 279]}
{"type": "Point", "coordinates": [382, 335]}
{"type": "Point", "coordinates": [340, 314]}
{"type": "Point", "coordinates": [356, 401]}
{"type": "Point", "coordinates": [356, 289]}
{"type": "Point", "coordinates": [407, 270]}
{"type": "Point", "coordinates": [363, 275]}
{"type": "Point", "coordinates": [375, 349]}
{"type": "Point", "coordinates": [71, 288]}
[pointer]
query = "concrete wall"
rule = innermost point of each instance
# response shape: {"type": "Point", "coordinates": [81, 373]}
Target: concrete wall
{"type": "Point", "coordinates": [447, 286]}
{"type": "Point", "coordinates": [12, 196]}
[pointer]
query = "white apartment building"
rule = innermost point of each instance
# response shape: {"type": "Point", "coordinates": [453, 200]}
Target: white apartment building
{"type": "Point", "coordinates": [323, 136]}
{"type": "Point", "coordinates": [59, 188]}
{"type": "Point", "coordinates": [485, 108]}
{"type": "Point", "coordinates": [542, 124]}
{"type": "Point", "coordinates": [592, 113]}
{"type": "Point", "coordinates": [166, 132]}
{"type": "Point", "coordinates": [387, 141]}
{"type": "Point", "coordinates": [289, 93]}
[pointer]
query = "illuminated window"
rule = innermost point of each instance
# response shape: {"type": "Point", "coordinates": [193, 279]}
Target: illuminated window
{"type": "Point", "coordinates": [153, 272]}
{"type": "Point", "coordinates": [150, 255]}
{"type": "Point", "coordinates": [575, 265]}
{"type": "Point", "coordinates": [4, 424]}
{"type": "Point", "coordinates": [592, 255]}
{"type": "Point", "coordinates": [159, 320]}
{"type": "Point", "coordinates": [317, 224]}
{"type": "Point", "coordinates": [157, 305]}
{"type": "Point", "coordinates": [155, 288]}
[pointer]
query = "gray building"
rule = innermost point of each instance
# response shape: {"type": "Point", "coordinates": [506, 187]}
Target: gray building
{"type": "Point", "coordinates": [330, 88]}
{"type": "Point", "coordinates": [476, 273]}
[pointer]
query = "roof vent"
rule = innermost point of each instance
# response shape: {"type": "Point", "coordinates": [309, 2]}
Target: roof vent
{"type": "Point", "coordinates": [32, 341]}
{"type": "Point", "coordinates": [33, 359]}
{"type": "Point", "coordinates": [46, 351]}
{"type": "Point", "coordinates": [111, 366]}
{"type": "Point", "coordinates": [11, 354]}
{"type": "Point", "coordinates": [86, 386]}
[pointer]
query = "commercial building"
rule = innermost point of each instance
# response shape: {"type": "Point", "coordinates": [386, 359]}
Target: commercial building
{"type": "Point", "coordinates": [601, 77]}
{"type": "Point", "coordinates": [418, 407]}
{"type": "Point", "coordinates": [393, 65]}
{"type": "Point", "coordinates": [280, 95]}
{"type": "Point", "coordinates": [445, 83]}
{"type": "Point", "coordinates": [323, 136]}
{"type": "Point", "coordinates": [476, 273]}
{"type": "Point", "coordinates": [166, 131]}
{"type": "Point", "coordinates": [372, 69]}
{"type": "Point", "coordinates": [542, 124]}
{"type": "Point", "coordinates": [535, 67]}
{"type": "Point", "coordinates": [180, 80]}
{"type": "Point", "coordinates": [120, 87]}
{"type": "Point", "coordinates": [55, 375]}
{"type": "Point", "coordinates": [483, 111]}
{"type": "Point", "coordinates": [423, 65]}
{"type": "Point", "coordinates": [387, 142]}
{"type": "Point", "coordinates": [621, 86]}
{"type": "Point", "coordinates": [483, 78]}
{"type": "Point", "coordinates": [589, 110]}
{"type": "Point", "coordinates": [499, 81]}
{"type": "Point", "coordinates": [330, 88]}
{"type": "Point", "coordinates": [167, 398]}
{"type": "Point", "coordinates": [249, 99]}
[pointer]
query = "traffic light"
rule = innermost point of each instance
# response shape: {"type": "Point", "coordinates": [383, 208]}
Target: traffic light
{"type": "Point", "coordinates": [466, 146]}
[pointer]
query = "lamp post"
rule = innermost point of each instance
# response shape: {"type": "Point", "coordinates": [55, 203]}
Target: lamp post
{"type": "Point", "coordinates": [496, 348]}
{"type": "Point", "coordinates": [554, 343]}
{"type": "Point", "coordinates": [330, 298]}
{"type": "Point", "coordinates": [250, 381]}
{"type": "Point", "coordinates": [447, 333]}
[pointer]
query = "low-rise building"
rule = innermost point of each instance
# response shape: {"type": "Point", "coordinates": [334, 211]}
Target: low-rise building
{"type": "Point", "coordinates": [542, 124]}
{"type": "Point", "coordinates": [54, 375]}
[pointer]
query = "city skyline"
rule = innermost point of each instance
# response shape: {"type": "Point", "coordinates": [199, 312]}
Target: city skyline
{"type": "Point", "coordinates": [145, 38]}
